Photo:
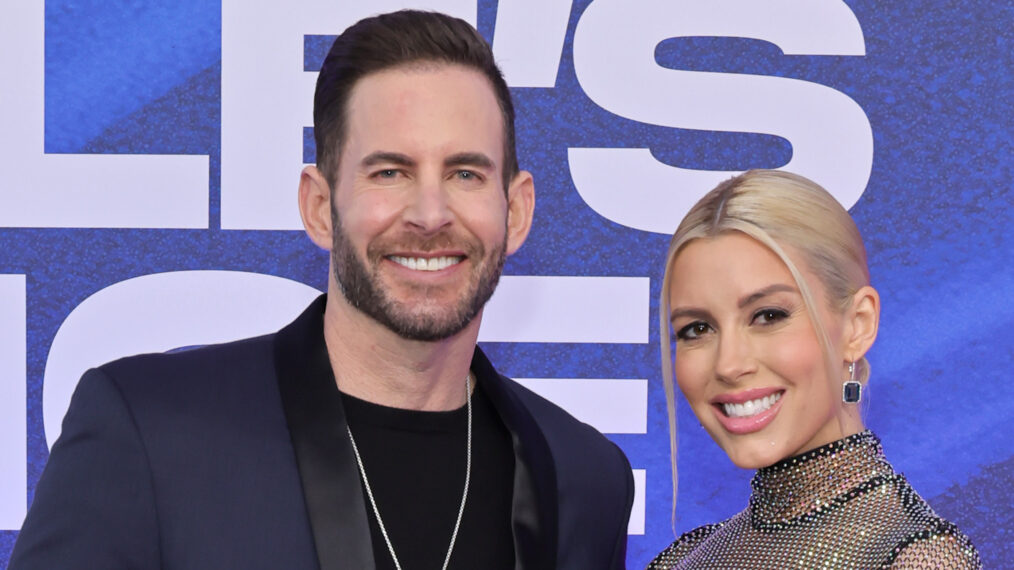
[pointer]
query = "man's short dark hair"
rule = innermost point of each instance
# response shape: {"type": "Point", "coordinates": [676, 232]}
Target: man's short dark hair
{"type": "Point", "coordinates": [391, 40]}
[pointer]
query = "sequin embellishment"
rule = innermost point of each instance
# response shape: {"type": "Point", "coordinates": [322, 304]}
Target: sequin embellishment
{"type": "Point", "coordinates": [841, 505]}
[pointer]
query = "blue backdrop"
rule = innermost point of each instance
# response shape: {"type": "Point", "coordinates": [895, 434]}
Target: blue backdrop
{"type": "Point", "coordinates": [933, 80]}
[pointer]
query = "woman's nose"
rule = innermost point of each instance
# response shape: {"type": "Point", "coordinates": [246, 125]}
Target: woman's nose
{"type": "Point", "coordinates": [734, 359]}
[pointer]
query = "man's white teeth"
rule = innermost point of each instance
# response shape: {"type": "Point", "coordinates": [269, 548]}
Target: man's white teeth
{"type": "Point", "coordinates": [426, 264]}
{"type": "Point", "coordinates": [752, 407]}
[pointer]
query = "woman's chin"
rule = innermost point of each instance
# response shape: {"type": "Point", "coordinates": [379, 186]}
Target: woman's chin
{"type": "Point", "coordinates": [753, 453]}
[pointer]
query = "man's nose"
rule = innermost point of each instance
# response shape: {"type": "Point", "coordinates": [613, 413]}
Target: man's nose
{"type": "Point", "coordinates": [428, 208]}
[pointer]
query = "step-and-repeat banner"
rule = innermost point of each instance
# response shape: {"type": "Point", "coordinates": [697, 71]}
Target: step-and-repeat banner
{"type": "Point", "coordinates": [149, 155]}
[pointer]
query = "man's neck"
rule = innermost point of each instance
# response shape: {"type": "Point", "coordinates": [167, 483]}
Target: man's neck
{"type": "Point", "coordinates": [373, 363]}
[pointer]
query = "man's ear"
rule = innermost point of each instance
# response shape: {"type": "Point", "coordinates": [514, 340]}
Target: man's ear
{"type": "Point", "coordinates": [862, 319]}
{"type": "Point", "coordinates": [315, 206]}
{"type": "Point", "coordinates": [520, 209]}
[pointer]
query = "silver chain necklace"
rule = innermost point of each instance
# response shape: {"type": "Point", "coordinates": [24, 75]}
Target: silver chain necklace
{"type": "Point", "coordinates": [464, 494]}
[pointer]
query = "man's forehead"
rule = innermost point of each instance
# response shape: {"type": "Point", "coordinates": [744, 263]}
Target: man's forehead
{"type": "Point", "coordinates": [425, 105]}
{"type": "Point", "coordinates": [420, 79]}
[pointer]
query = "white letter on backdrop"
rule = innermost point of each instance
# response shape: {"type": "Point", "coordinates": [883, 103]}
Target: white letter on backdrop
{"type": "Point", "coordinates": [267, 98]}
{"type": "Point", "coordinates": [193, 308]}
{"type": "Point", "coordinates": [78, 190]}
{"type": "Point", "coordinates": [614, 58]}
{"type": "Point", "coordinates": [528, 40]}
{"type": "Point", "coordinates": [13, 429]}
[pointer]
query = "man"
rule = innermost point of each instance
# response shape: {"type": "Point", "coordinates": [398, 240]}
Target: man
{"type": "Point", "coordinates": [371, 432]}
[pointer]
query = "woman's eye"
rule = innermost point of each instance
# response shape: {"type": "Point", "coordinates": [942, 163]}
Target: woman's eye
{"type": "Point", "coordinates": [693, 331]}
{"type": "Point", "coordinates": [769, 316]}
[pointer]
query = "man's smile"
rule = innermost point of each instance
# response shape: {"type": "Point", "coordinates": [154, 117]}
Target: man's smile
{"type": "Point", "coordinates": [427, 263]}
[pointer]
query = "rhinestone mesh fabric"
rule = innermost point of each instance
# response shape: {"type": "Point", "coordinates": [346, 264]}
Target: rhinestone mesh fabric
{"type": "Point", "coordinates": [838, 506]}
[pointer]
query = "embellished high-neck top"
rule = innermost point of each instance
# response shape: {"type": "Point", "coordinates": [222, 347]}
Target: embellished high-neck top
{"type": "Point", "coordinates": [839, 506]}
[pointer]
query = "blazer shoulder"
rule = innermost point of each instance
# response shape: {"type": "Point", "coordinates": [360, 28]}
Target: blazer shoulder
{"type": "Point", "coordinates": [98, 470]}
{"type": "Point", "coordinates": [587, 461]}
{"type": "Point", "coordinates": [181, 365]}
{"type": "Point", "coordinates": [231, 384]}
{"type": "Point", "coordinates": [559, 423]}
{"type": "Point", "coordinates": [594, 483]}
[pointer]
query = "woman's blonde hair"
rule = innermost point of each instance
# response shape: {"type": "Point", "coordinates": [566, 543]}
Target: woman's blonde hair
{"type": "Point", "coordinates": [779, 210]}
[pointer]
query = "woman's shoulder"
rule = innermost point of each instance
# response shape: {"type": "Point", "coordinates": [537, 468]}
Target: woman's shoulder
{"type": "Point", "coordinates": [939, 545]}
{"type": "Point", "coordinates": [682, 546]}
{"type": "Point", "coordinates": [933, 542]}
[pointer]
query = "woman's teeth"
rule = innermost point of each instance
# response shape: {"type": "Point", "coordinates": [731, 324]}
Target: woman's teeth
{"type": "Point", "coordinates": [752, 407]}
{"type": "Point", "coordinates": [426, 264]}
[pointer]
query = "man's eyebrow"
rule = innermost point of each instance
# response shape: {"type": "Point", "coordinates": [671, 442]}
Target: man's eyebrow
{"type": "Point", "coordinates": [384, 157]}
{"type": "Point", "coordinates": [476, 159]}
{"type": "Point", "coordinates": [761, 293]}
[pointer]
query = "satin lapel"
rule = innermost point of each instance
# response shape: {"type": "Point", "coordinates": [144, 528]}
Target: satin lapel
{"type": "Point", "coordinates": [534, 512]}
{"type": "Point", "coordinates": [327, 466]}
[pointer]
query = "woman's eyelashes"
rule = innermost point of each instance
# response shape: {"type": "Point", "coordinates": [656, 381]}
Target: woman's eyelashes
{"type": "Point", "coordinates": [766, 317]}
{"type": "Point", "coordinates": [693, 331]}
{"type": "Point", "coordinates": [769, 316]}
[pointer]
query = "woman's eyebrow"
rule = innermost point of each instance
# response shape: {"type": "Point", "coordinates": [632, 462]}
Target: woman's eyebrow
{"type": "Point", "coordinates": [689, 312]}
{"type": "Point", "coordinates": [761, 293]}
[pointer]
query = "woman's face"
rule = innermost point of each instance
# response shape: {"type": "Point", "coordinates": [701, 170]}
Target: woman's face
{"type": "Point", "coordinates": [747, 357]}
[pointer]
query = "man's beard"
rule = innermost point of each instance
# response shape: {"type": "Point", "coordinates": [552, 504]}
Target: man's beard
{"type": "Point", "coordinates": [361, 285]}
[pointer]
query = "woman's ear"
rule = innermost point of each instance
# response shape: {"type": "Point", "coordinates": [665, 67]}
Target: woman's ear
{"type": "Point", "coordinates": [520, 209]}
{"type": "Point", "coordinates": [862, 320]}
{"type": "Point", "coordinates": [315, 206]}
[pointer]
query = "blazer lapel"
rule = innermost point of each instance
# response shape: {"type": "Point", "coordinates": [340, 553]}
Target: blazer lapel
{"type": "Point", "coordinates": [534, 513]}
{"type": "Point", "coordinates": [327, 466]}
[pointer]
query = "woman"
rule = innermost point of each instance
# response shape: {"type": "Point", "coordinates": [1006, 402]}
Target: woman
{"type": "Point", "coordinates": [766, 298]}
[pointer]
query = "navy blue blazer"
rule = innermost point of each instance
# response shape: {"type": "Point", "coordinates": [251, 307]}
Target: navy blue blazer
{"type": "Point", "coordinates": [236, 456]}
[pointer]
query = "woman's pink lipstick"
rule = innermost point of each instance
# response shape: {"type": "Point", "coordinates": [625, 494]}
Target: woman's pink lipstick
{"type": "Point", "coordinates": [752, 423]}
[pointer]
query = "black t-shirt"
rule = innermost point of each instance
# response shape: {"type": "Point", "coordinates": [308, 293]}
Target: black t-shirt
{"type": "Point", "coordinates": [415, 462]}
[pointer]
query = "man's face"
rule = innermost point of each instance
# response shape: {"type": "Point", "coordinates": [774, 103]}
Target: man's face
{"type": "Point", "coordinates": [418, 208]}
